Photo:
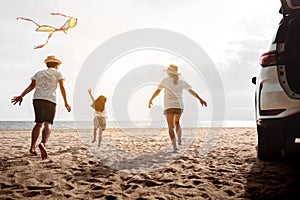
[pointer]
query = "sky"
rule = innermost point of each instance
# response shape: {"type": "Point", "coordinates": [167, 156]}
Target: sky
{"type": "Point", "coordinates": [233, 34]}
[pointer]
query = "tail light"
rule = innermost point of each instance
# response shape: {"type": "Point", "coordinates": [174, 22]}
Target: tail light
{"type": "Point", "coordinates": [268, 59]}
{"type": "Point", "coordinates": [271, 112]}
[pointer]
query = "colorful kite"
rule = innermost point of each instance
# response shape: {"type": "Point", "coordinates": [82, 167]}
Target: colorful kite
{"type": "Point", "coordinates": [70, 23]}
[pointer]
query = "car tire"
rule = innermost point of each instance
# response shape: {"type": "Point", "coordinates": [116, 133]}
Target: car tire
{"type": "Point", "coordinates": [269, 143]}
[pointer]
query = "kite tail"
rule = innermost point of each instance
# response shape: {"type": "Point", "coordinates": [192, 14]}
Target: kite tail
{"type": "Point", "coordinates": [42, 45]}
{"type": "Point", "coordinates": [39, 46]}
{"type": "Point", "coordinates": [60, 15]}
{"type": "Point", "coordinates": [27, 19]}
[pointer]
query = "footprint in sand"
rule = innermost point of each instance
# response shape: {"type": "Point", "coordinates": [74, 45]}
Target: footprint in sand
{"type": "Point", "coordinates": [68, 177]}
{"type": "Point", "coordinates": [31, 194]}
{"type": "Point", "coordinates": [111, 197]}
{"type": "Point", "coordinates": [97, 187]}
{"type": "Point", "coordinates": [230, 193]}
{"type": "Point", "coordinates": [197, 182]}
{"type": "Point", "coordinates": [6, 192]}
{"type": "Point", "coordinates": [68, 187]}
{"type": "Point", "coordinates": [39, 187]}
{"type": "Point", "coordinates": [9, 186]}
{"type": "Point", "coordinates": [46, 192]}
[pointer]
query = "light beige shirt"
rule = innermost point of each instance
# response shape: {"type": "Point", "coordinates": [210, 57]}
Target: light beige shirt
{"type": "Point", "coordinates": [173, 92]}
{"type": "Point", "coordinates": [46, 84]}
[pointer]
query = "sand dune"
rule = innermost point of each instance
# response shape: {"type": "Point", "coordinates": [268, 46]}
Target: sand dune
{"type": "Point", "coordinates": [139, 164]}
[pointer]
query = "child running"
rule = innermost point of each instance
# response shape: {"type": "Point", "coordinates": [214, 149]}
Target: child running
{"type": "Point", "coordinates": [100, 116]}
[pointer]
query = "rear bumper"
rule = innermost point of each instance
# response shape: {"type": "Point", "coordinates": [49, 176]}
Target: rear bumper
{"type": "Point", "coordinates": [271, 96]}
{"type": "Point", "coordinates": [288, 126]}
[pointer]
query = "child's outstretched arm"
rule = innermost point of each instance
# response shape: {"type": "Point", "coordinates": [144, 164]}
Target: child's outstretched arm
{"type": "Point", "coordinates": [91, 95]}
{"type": "Point", "coordinates": [192, 92]}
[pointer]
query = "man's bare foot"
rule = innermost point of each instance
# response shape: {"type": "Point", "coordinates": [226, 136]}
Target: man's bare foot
{"type": "Point", "coordinates": [93, 141]}
{"type": "Point", "coordinates": [99, 144]}
{"type": "Point", "coordinates": [43, 150]}
{"type": "Point", "coordinates": [33, 152]}
{"type": "Point", "coordinates": [179, 141]}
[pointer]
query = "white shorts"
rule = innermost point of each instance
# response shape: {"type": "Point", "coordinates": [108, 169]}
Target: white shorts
{"type": "Point", "coordinates": [100, 122]}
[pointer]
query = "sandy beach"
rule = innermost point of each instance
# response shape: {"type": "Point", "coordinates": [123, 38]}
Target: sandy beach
{"type": "Point", "coordinates": [139, 164]}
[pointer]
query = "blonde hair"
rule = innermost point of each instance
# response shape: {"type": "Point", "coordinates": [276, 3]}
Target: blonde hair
{"type": "Point", "coordinates": [99, 103]}
{"type": "Point", "coordinates": [173, 72]}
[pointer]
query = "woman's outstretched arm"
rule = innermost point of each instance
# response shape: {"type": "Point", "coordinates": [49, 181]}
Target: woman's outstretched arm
{"type": "Point", "coordinates": [153, 96]}
{"type": "Point", "coordinates": [192, 92]}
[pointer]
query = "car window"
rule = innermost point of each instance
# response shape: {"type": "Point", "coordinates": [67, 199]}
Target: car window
{"type": "Point", "coordinates": [291, 54]}
{"type": "Point", "coordinates": [290, 6]}
{"type": "Point", "coordinates": [293, 4]}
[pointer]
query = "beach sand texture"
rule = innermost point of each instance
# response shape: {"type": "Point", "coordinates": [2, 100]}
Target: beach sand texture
{"type": "Point", "coordinates": [229, 171]}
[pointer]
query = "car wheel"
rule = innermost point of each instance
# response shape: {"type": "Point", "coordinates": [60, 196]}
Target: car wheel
{"type": "Point", "coordinates": [269, 143]}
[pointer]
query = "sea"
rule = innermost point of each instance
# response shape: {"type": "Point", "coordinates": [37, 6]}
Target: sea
{"type": "Point", "coordinates": [27, 125]}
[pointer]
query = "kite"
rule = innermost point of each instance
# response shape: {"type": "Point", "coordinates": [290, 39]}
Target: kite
{"type": "Point", "coordinates": [70, 23]}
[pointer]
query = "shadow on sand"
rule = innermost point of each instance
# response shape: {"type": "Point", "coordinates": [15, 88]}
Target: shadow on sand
{"type": "Point", "coordinates": [276, 180]}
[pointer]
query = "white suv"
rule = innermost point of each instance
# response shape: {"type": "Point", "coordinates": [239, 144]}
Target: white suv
{"type": "Point", "coordinates": [277, 97]}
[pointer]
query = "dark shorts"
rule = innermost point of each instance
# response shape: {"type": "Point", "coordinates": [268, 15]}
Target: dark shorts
{"type": "Point", "coordinates": [44, 111]}
{"type": "Point", "coordinates": [173, 111]}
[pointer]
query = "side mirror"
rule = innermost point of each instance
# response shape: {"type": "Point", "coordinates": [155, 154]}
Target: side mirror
{"type": "Point", "coordinates": [254, 80]}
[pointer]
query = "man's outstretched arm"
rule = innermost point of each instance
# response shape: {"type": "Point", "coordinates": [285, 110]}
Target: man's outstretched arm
{"type": "Point", "coordinates": [64, 94]}
{"type": "Point", "coordinates": [19, 99]}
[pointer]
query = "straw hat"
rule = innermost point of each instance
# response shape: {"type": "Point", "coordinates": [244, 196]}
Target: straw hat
{"type": "Point", "coordinates": [173, 69]}
{"type": "Point", "coordinates": [52, 59]}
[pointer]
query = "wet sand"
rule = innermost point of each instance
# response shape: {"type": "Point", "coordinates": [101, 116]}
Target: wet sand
{"type": "Point", "coordinates": [131, 166]}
